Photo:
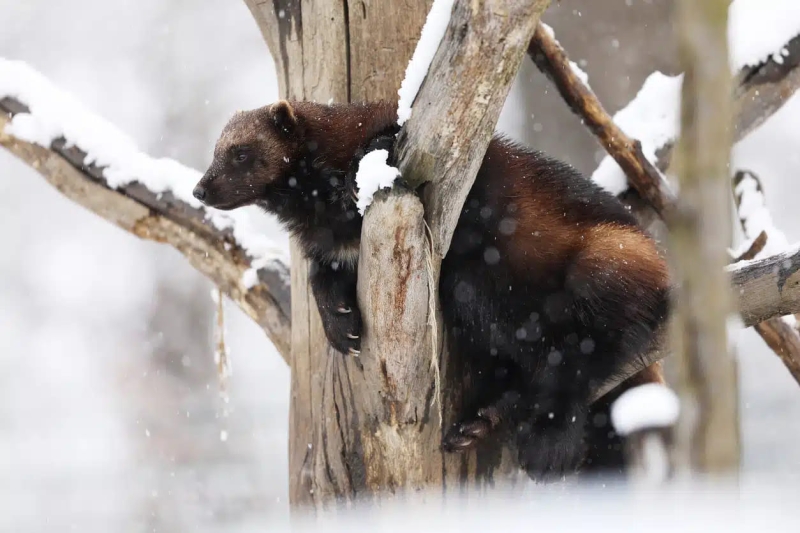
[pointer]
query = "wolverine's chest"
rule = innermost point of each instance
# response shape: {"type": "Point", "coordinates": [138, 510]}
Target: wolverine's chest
{"type": "Point", "coordinates": [345, 254]}
{"type": "Point", "coordinates": [326, 246]}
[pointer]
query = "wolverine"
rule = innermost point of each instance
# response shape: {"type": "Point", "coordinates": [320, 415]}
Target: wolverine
{"type": "Point", "coordinates": [549, 284]}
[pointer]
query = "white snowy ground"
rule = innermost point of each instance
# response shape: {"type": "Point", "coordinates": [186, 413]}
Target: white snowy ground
{"type": "Point", "coordinates": [78, 301]}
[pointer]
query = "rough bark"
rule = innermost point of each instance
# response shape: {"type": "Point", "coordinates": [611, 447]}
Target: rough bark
{"type": "Point", "coordinates": [707, 431]}
{"type": "Point", "coordinates": [309, 42]}
{"type": "Point", "coordinates": [164, 219]}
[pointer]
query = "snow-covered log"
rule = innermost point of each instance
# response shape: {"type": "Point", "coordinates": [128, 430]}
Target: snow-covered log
{"type": "Point", "coordinates": [223, 246]}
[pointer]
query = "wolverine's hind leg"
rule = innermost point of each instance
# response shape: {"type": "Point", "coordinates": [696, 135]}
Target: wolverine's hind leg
{"type": "Point", "coordinates": [466, 434]}
{"type": "Point", "coordinates": [493, 402]}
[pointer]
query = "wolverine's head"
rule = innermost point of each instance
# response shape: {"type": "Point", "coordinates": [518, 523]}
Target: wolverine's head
{"type": "Point", "coordinates": [251, 158]}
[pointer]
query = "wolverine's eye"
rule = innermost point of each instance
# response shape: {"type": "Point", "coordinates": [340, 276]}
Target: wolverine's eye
{"type": "Point", "coordinates": [240, 154]}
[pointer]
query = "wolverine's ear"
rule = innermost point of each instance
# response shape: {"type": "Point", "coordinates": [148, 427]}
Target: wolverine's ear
{"type": "Point", "coordinates": [283, 116]}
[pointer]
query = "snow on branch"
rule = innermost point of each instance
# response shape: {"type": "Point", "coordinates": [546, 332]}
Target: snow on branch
{"type": "Point", "coordinates": [754, 216]}
{"type": "Point", "coordinates": [429, 40]}
{"type": "Point", "coordinates": [780, 333]}
{"type": "Point", "coordinates": [628, 153]}
{"type": "Point", "coordinates": [764, 53]}
{"type": "Point", "coordinates": [96, 165]}
{"type": "Point", "coordinates": [645, 407]}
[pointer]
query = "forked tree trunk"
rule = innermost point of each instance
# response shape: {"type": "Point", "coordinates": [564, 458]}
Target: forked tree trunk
{"type": "Point", "coordinates": [363, 427]}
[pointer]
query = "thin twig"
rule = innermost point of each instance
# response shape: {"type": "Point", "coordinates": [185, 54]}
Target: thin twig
{"type": "Point", "coordinates": [755, 248]}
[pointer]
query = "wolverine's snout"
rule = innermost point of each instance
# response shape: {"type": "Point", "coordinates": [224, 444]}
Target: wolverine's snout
{"type": "Point", "coordinates": [201, 189]}
{"type": "Point", "coordinates": [199, 192]}
{"type": "Point", "coordinates": [217, 193]}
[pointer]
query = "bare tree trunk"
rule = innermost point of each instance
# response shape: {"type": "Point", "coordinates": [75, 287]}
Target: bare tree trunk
{"type": "Point", "coordinates": [361, 427]}
{"type": "Point", "coordinates": [707, 433]}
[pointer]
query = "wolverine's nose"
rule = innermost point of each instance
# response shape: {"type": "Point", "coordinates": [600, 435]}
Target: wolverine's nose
{"type": "Point", "coordinates": [199, 192]}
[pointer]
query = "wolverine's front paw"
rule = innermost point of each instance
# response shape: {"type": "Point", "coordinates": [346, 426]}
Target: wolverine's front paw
{"type": "Point", "coordinates": [549, 454]}
{"type": "Point", "coordinates": [343, 327]}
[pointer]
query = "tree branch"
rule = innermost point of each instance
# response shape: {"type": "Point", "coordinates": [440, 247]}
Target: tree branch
{"type": "Point", "coordinates": [551, 59]}
{"type": "Point", "coordinates": [162, 218]}
{"type": "Point", "coordinates": [784, 341]}
{"type": "Point", "coordinates": [754, 217]}
{"type": "Point", "coordinates": [767, 287]}
{"type": "Point", "coordinates": [759, 92]}
{"type": "Point", "coordinates": [756, 247]}
{"type": "Point", "coordinates": [762, 90]}
{"type": "Point", "coordinates": [462, 97]}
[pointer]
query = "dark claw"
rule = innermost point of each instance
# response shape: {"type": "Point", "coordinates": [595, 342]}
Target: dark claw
{"type": "Point", "coordinates": [477, 428]}
{"type": "Point", "coordinates": [343, 328]}
{"type": "Point", "coordinates": [455, 442]}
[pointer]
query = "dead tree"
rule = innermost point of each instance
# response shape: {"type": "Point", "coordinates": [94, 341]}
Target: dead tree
{"type": "Point", "coordinates": [374, 424]}
{"type": "Point", "coordinates": [363, 427]}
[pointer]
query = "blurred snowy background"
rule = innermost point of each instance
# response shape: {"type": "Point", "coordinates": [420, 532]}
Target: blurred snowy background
{"type": "Point", "coordinates": [110, 418]}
